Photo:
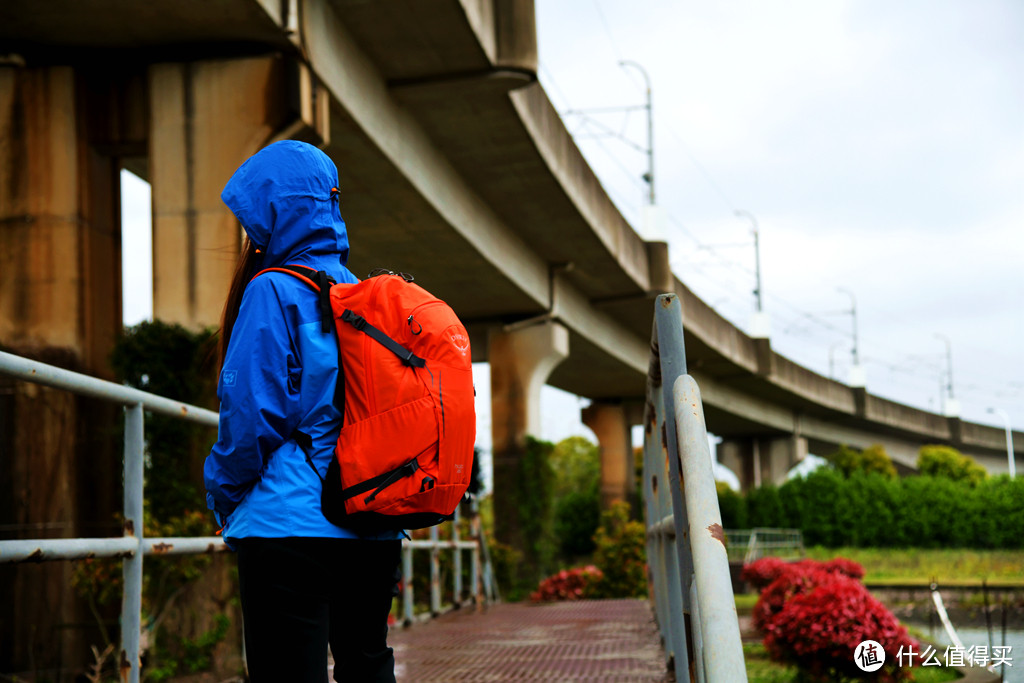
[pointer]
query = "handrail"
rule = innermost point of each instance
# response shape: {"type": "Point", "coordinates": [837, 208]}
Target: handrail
{"type": "Point", "coordinates": [691, 587]}
{"type": "Point", "coordinates": [128, 546]}
{"type": "Point", "coordinates": [483, 585]}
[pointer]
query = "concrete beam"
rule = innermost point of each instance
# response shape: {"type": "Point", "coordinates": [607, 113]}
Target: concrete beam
{"type": "Point", "coordinates": [207, 118]}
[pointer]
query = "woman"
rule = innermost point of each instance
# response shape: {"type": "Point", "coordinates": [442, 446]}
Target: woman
{"type": "Point", "coordinates": [304, 581]}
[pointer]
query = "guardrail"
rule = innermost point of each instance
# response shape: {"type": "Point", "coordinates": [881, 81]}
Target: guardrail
{"type": "Point", "coordinates": [483, 587]}
{"type": "Point", "coordinates": [129, 545]}
{"type": "Point", "coordinates": [691, 587]}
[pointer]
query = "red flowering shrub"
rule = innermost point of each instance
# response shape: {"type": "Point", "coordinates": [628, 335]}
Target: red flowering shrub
{"type": "Point", "coordinates": [791, 580]}
{"type": "Point", "coordinates": [762, 572]}
{"type": "Point", "coordinates": [843, 566]}
{"type": "Point", "coordinates": [814, 614]}
{"type": "Point", "coordinates": [568, 584]}
{"type": "Point", "coordinates": [819, 629]}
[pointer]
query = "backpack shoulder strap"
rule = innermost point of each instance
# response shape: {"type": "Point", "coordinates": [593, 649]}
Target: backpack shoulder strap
{"type": "Point", "coordinates": [318, 280]}
{"type": "Point", "coordinates": [321, 282]}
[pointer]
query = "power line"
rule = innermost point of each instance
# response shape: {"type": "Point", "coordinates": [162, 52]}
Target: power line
{"type": "Point", "coordinates": [607, 30]}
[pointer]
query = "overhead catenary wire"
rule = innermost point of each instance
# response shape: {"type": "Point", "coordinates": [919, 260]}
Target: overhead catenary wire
{"type": "Point", "coordinates": [807, 328]}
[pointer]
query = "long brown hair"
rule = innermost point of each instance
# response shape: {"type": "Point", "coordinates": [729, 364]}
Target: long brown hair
{"type": "Point", "coordinates": [243, 273]}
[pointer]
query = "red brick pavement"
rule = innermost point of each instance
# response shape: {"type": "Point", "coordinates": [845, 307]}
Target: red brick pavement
{"type": "Point", "coordinates": [594, 640]}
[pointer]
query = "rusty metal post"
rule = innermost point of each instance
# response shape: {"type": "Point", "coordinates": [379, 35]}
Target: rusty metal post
{"type": "Point", "coordinates": [435, 573]}
{"type": "Point", "coordinates": [131, 602]}
{"type": "Point", "coordinates": [407, 596]}
{"type": "Point", "coordinates": [668, 320]}
{"type": "Point", "coordinates": [698, 637]}
{"type": "Point", "coordinates": [474, 571]}
{"type": "Point", "coordinates": [456, 561]}
{"type": "Point", "coordinates": [719, 652]}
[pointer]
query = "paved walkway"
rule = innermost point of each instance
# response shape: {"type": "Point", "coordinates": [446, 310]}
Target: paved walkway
{"type": "Point", "coordinates": [592, 640]}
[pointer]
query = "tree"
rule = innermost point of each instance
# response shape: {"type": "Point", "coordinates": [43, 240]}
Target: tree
{"type": "Point", "coordinates": [576, 466]}
{"type": "Point", "coordinates": [949, 463]}
{"type": "Point", "coordinates": [872, 459]}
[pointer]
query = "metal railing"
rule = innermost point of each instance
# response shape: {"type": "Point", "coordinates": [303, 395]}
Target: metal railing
{"type": "Point", "coordinates": [483, 588]}
{"type": "Point", "coordinates": [129, 545]}
{"type": "Point", "coordinates": [692, 590]}
{"type": "Point", "coordinates": [748, 545]}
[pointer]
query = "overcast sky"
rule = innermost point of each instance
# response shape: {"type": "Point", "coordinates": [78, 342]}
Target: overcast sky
{"type": "Point", "coordinates": [878, 144]}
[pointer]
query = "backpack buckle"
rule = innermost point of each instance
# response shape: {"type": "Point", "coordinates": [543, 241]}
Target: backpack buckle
{"type": "Point", "coordinates": [353, 319]}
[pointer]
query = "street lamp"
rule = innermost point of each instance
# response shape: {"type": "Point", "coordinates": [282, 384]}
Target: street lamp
{"type": "Point", "coordinates": [952, 406]}
{"type": "Point", "coordinates": [1009, 440]}
{"type": "Point", "coordinates": [857, 378]}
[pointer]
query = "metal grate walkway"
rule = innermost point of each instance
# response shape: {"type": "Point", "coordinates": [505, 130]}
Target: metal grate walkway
{"type": "Point", "coordinates": [594, 640]}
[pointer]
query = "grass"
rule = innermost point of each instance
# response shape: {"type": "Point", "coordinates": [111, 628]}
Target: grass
{"type": "Point", "coordinates": [946, 566]}
{"type": "Point", "coordinates": [761, 669]}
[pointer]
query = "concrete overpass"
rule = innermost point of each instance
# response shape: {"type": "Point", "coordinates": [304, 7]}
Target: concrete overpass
{"type": "Point", "coordinates": [454, 166]}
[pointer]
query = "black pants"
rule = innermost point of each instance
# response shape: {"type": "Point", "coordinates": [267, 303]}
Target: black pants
{"type": "Point", "coordinates": [299, 594]}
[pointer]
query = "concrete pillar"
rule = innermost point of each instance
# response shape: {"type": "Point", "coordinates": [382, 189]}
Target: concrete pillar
{"type": "Point", "coordinates": [738, 456]}
{"type": "Point", "coordinates": [609, 423]}
{"type": "Point", "coordinates": [521, 362]}
{"type": "Point", "coordinates": [207, 118]}
{"type": "Point", "coordinates": [762, 460]}
{"type": "Point", "coordinates": [59, 206]}
{"type": "Point", "coordinates": [60, 302]}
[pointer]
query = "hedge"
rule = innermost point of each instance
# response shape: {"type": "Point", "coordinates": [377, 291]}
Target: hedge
{"type": "Point", "coordinates": [872, 510]}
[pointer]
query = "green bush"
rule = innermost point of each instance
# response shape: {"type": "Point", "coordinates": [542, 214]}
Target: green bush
{"type": "Point", "coordinates": [620, 555]}
{"type": "Point", "coordinates": [577, 516]}
{"type": "Point", "coordinates": [576, 489]}
{"type": "Point", "coordinates": [764, 507]}
{"type": "Point", "coordinates": [949, 463]}
{"type": "Point", "coordinates": [872, 459]}
{"type": "Point", "coordinates": [870, 509]}
{"type": "Point", "coordinates": [732, 505]}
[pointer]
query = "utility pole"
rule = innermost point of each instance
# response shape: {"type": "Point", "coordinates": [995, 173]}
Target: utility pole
{"type": "Point", "coordinates": [649, 176]}
{"type": "Point", "coordinates": [759, 323]}
{"type": "Point", "coordinates": [952, 407]}
{"type": "Point", "coordinates": [757, 258]}
{"type": "Point", "coordinates": [857, 378]}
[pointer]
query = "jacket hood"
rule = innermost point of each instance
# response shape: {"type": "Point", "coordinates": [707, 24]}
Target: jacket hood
{"type": "Point", "coordinates": [285, 198]}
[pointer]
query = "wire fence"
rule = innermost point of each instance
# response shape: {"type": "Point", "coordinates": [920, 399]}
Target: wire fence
{"type": "Point", "coordinates": [748, 545]}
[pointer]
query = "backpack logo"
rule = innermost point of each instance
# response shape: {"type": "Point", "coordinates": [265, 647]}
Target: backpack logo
{"type": "Point", "coordinates": [460, 342]}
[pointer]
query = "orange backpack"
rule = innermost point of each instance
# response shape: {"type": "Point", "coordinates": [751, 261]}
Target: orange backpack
{"type": "Point", "coordinates": [405, 451]}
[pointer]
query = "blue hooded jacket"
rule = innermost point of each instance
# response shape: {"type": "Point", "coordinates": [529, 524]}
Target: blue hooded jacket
{"type": "Point", "coordinates": [280, 369]}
